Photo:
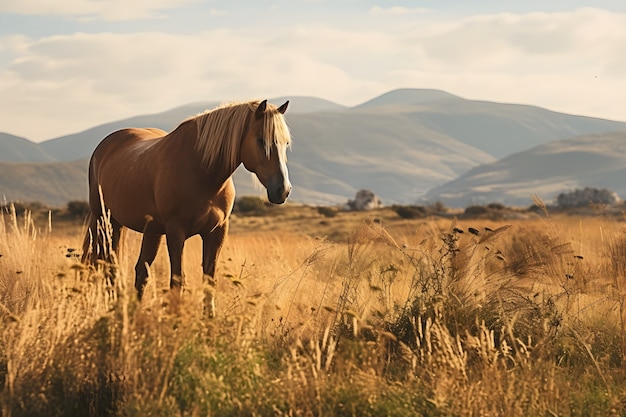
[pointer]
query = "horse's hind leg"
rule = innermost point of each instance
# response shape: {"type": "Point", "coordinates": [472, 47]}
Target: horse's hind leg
{"type": "Point", "coordinates": [149, 248]}
{"type": "Point", "coordinates": [211, 245]}
{"type": "Point", "coordinates": [116, 234]}
{"type": "Point", "coordinates": [90, 240]}
{"type": "Point", "coordinates": [95, 245]}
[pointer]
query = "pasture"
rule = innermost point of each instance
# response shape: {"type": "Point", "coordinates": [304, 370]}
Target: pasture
{"type": "Point", "coordinates": [323, 314]}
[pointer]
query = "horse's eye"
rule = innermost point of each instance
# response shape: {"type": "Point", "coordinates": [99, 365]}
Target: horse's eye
{"type": "Point", "coordinates": [261, 142]}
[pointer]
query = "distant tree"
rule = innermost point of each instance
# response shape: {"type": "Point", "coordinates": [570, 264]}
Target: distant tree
{"type": "Point", "coordinates": [410, 212]}
{"type": "Point", "coordinates": [77, 209]}
{"type": "Point", "coordinates": [476, 210]}
{"type": "Point", "coordinates": [586, 196]}
{"type": "Point", "coordinates": [364, 200]}
{"type": "Point", "coordinates": [439, 207]}
{"type": "Point", "coordinates": [249, 205]}
{"type": "Point", "coordinates": [21, 206]}
{"type": "Point", "coordinates": [327, 211]}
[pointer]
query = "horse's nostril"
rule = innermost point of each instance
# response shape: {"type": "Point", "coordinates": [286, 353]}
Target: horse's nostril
{"type": "Point", "coordinates": [284, 192]}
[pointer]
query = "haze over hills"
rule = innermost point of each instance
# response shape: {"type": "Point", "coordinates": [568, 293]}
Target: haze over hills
{"type": "Point", "coordinates": [18, 149]}
{"type": "Point", "coordinates": [82, 144]}
{"type": "Point", "coordinates": [546, 170]}
{"type": "Point", "coordinates": [399, 145]}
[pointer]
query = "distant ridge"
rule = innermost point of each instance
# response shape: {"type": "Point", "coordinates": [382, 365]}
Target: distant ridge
{"type": "Point", "coordinates": [597, 161]}
{"type": "Point", "coordinates": [403, 145]}
{"type": "Point", "coordinates": [306, 104]}
{"type": "Point", "coordinates": [405, 96]}
{"type": "Point", "coordinates": [18, 149]}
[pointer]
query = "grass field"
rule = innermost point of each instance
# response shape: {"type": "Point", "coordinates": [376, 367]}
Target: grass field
{"type": "Point", "coordinates": [324, 313]}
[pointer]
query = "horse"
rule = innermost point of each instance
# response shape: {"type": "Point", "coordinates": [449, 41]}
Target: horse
{"type": "Point", "coordinates": [179, 184]}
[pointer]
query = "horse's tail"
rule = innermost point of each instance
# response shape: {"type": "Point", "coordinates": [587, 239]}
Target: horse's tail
{"type": "Point", "coordinates": [102, 239]}
{"type": "Point", "coordinates": [90, 241]}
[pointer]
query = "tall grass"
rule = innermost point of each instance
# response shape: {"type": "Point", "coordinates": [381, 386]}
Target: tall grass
{"type": "Point", "coordinates": [465, 320]}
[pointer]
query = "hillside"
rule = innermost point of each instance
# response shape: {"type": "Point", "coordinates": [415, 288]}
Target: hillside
{"type": "Point", "coordinates": [546, 170]}
{"type": "Point", "coordinates": [51, 183]}
{"type": "Point", "coordinates": [400, 145]}
{"type": "Point", "coordinates": [495, 128]}
{"type": "Point", "coordinates": [18, 149]}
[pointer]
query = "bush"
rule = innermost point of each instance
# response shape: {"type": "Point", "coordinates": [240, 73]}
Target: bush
{"type": "Point", "coordinates": [77, 209]}
{"type": "Point", "coordinates": [586, 196]}
{"type": "Point", "coordinates": [439, 207]}
{"type": "Point", "coordinates": [249, 205]}
{"type": "Point", "coordinates": [327, 211]}
{"type": "Point", "coordinates": [410, 212]}
{"type": "Point", "coordinates": [21, 206]}
{"type": "Point", "coordinates": [475, 210]}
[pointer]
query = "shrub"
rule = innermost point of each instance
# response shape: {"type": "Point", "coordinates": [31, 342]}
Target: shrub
{"type": "Point", "coordinates": [77, 209]}
{"type": "Point", "coordinates": [410, 212]}
{"type": "Point", "coordinates": [327, 211]}
{"type": "Point", "coordinates": [476, 210]}
{"type": "Point", "coordinates": [249, 205]}
{"type": "Point", "coordinates": [586, 196]}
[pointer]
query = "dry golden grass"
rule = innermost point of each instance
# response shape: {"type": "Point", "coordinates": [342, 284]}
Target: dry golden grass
{"type": "Point", "coordinates": [356, 314]}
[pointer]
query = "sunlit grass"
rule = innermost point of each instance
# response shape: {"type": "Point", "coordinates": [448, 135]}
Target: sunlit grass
{"type": "Point", "coordinates": [425, 317]}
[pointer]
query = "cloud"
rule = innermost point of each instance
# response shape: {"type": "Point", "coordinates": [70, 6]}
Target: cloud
{"type": "Point", "coordinates": [532, 41]}
{"type": "Point", "coordinates": [396, 10]}
{"type": "Point", "coordinates": [570, 62]}
{"type": "Point", "coordinates": [93, 9]}
{"type": "Point", "coordinates": [83, 79]}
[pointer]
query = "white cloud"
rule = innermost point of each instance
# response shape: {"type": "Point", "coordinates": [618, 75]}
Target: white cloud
{"type": "Point", "coordinates": [570, 62]}
{"type": "Point", "coordinates": [396, 10]}
{"type": "Point", "coordinates": [93, 9]}
{"type": "Point", "coordinates": [76, 81]}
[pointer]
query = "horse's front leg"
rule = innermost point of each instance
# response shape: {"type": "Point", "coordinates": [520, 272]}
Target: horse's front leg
{"type": "Point", "coordinates": [175, 238]}
{"type": "Point", "coordinates": [212, 242]}
{"type": "Point", "coordinates": [149, 248]}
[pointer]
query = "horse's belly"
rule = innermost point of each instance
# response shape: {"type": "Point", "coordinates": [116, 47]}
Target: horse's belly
{"type": "Point", "coordinates": [132, 205]}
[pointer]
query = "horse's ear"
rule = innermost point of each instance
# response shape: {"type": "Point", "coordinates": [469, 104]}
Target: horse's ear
{"type": "Point", "coordinates": [282, 109]}
{"type": "Point", "coordinates": [261, 109]}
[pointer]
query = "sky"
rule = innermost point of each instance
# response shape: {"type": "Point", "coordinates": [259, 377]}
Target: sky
{"type": "Point", "coordinates": [68, 65]}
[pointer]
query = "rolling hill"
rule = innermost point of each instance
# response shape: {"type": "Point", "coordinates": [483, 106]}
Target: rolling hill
{"type": "Point", "coordinates": [53, 183]}
{"type": "Point", "coordinates": [546, 170]}
{"type": "Point", "coordinates": [18, 149]}
{"type": "Point", "coordinates": [400, 145]}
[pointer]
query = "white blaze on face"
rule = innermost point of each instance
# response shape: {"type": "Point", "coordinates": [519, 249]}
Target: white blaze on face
{"type": "Point", "coordinates": [282, 157]}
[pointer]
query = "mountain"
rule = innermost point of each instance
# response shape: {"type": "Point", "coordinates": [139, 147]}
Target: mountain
{"type": "Point", "coordinates": [51, 183]}
{"type": "Point", "coordinates": [587, 161]}
{"type": "Point", "coordinates": [18, 149]}
{"type": "Point", "coordinates": [495, 128]}
{"type": "Point", "coordinates": [399, 145]}
{"type": "Point", "coordinates": [304, 104]}
{"type": "Point", "coordinates": [82, 144]}
{"type": "Point", "coordinates": [391, 154]}
{"type": "Point", "coordinates": [408, 96]}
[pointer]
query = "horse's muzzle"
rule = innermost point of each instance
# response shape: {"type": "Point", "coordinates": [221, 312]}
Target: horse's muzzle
{"type": "Point", "coordinates": [278, 195]}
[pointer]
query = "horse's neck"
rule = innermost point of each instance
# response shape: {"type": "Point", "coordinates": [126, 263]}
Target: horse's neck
{"type": "Point", "coordinates": [183, 141]}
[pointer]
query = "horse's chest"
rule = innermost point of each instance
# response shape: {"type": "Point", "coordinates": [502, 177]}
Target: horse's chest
{"type": "Point", "coordinates": [213, 217]}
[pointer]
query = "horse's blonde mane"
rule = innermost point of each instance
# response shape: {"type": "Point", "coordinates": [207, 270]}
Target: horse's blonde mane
{"type": "Point", "coordinates": [221, 130]}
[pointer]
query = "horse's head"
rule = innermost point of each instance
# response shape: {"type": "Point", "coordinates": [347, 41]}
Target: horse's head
{"type": "Point", "coordinates": [264, 150]}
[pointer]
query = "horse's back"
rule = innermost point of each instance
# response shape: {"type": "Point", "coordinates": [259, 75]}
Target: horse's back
{"type": "Point", "coordinates": [120, 167]}
{"type": "Point", "coordinates": [126, 137]}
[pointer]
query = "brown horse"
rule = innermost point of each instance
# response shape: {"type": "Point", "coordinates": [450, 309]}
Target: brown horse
{"type": "Point", "coordinates": [179, 184]}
